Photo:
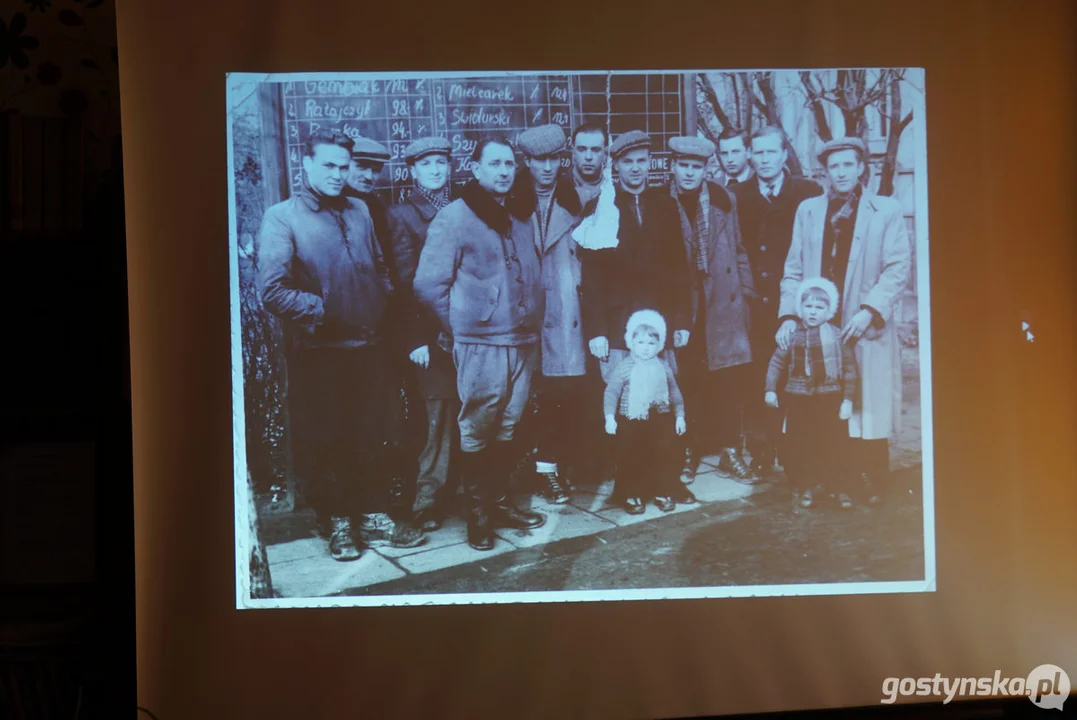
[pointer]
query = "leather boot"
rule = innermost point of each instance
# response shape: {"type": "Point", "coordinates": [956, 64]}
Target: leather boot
{"type": "Point", "coordinates": [503, 514]}
{"type": "Point", "coordinates": [480, 530]}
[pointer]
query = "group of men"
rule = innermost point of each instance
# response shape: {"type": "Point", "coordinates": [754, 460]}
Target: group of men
{"type": "Point", "coordinates": [524, 296]}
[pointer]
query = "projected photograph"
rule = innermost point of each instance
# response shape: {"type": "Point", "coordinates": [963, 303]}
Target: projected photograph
{"type": "Point", "coordinates": [602, 335]}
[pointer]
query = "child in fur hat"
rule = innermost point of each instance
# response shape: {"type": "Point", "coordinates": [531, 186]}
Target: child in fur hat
{"type": "Point", "coordinates": [641, 396]}
{"type": "Point", "coordinates": [820, 383]}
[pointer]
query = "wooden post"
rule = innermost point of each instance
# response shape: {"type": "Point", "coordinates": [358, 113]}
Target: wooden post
{"type": "Point", "coordinates": [274, 160]}
{"type": "Point", "coordinates": [689, 111]}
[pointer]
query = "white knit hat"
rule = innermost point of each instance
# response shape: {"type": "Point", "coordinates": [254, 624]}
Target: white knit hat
{"type": "Point", "coordinates": [646, 317]}
{"type": "Point", "coordinates": [827, 287]}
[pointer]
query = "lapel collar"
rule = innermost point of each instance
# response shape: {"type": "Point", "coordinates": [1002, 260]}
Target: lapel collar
{"type": "Point", "coordinates": [424, 206]}
{"type": "Point", "coordinates": [864, 213]}
{"type": "Point", "coordinates": [817, 230]}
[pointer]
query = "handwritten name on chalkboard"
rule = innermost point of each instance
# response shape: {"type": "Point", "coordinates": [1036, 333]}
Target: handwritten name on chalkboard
{"type": "Point", "coordinates": [396, 111]}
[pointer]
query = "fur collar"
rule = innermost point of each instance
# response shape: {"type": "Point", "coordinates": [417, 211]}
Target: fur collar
{"type": "Point", "coordinates": [564, 194]}
{"type": "Point", "coordinates": [490, 211]}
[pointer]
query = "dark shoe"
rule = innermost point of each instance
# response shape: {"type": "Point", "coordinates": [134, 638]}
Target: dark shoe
{"type": "Point", "coordinates": [733, 464]}
{"type": "Point", "coordinates": [504, 514]}
{"type": "Point", "coordinates": [691, 467]}
{"type": "Point", "coordinates": [846, 502]}
{"type": "Point", "coordinates": [806, 499]}
{"type": "Point", "coordinates": [762, 464]}
{"type": "Point", "coordinates": [685, 498]}
{"type": "Point", "coordinates": [664, 503]}
{"type": "Point", "coordinates": [480, 531]}
{"type": "Point", "coordinates": [428, 519]}
{"type": "Point", "coordinates": [342, 545]}
{"type": "Point", "coordinates": [553, 488]}
{"type": "Point", "coordinates": [379, 530]}
{"type": "Point", "coordinates": [634, 506]}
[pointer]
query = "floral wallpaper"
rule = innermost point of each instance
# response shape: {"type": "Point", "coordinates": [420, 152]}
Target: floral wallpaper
{"type": "Point", "coordinates": [58, 58]}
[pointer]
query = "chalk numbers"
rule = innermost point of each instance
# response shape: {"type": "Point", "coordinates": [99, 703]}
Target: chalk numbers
{"type": "Point", "coordinates": [400, 108]}
{"type": "Point", "coordinates": [400, 174]}
{"type": "Point", "coordinates": [293, 132]}
{"type": "Point", "coordinates": [399, 129]}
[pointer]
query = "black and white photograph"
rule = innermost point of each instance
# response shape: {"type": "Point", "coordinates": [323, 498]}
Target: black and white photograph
{"type": "Point", "coordinates": [507, 337]}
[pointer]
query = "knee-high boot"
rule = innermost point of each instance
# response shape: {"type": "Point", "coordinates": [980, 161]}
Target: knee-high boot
{"type": "Point", "coordinates": [476, 476]}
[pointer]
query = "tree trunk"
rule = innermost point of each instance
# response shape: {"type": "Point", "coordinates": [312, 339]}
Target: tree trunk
{"type": "Point", "coordinates": [886, 178]}
{"type": "Point", "coordinates": [712, 98]}
{"type": "Point", "coordinates": [822, 127]}
{"type": "Point", "coordinates": [261, 582]}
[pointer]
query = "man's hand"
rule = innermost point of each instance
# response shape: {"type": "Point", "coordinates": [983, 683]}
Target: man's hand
{"type": "Point", "coordinates": [857, 326]}
{"type": "Point", "coordinates": [600, 347]}
{"type": "Point", "coordinates": [681, 426]}
{"type": "Point", "coordinates": [785, 334]}
{"type": "Point", "coordinates": [680, 338]}
{"type": "Point", "coordinates": [846, 410]}
{"type": "Point", "coordinates": [771, 399]}
{"type": "Point", "coordinates": [611, 425]}
{"type": "Point", "coordinates": [421, 356]}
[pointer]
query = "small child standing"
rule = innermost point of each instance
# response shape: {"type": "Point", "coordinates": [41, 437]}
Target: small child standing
{"type": "Point", "coordinates": [640, 394]}
{"type": "Point", "coordinates": [821, 380]}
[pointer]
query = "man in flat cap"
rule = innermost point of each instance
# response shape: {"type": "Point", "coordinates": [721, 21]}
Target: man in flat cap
{"type": "Point", "coordinates": [640, 267]}
{"type": "Point", "coordinates": [714, 363]}
{"type": "Point", "coordinates": [561, 386]}
{"type": "Point", "coordinates": [480, 274]}
{"type": "Point", "coordinates": [734, 157]}
{"type": "Point", "coordinates": [857, 240]}
{"type": "Point", "coordinates": [766, 206]}
{"type": "Point", "coordinates": [434, 379]}
{"type": "Point", "coordinates": [321, 271]}
{"type": "Point", "coordinates": [368, 161]}
{"type": "Point", "coordinates": [589, 142]}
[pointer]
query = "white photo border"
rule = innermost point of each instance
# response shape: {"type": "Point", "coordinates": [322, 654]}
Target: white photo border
{"type": "Point", "coordinates": [244, 601]}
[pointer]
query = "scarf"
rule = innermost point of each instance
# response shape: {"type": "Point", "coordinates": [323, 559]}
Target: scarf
{"type": "Point", "coordinates": [647, 386]}
{"type": "Point", "coordinates": [696, 239]}
{"type": "Point", "coordinates": [438, 199]}
{"type": "Point", "coordinates": [599, 230]}
{"type": "Point", "coordinates": [830, 344]}
{"type": "Point", "coordinates": [841, 217]}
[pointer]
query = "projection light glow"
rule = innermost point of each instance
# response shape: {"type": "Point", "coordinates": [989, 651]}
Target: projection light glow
{"type": "Point", "coordinates": [518, 337]}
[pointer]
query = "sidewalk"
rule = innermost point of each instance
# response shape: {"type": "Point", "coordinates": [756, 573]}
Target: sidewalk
{"type": "Point", "coordinates": [301, 566]}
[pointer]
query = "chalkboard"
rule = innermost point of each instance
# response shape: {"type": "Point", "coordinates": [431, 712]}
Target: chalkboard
{"type": "Point", "coordinates": [463, 109]}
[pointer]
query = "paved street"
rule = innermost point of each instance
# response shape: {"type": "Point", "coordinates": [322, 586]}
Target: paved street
{"type": "Point", "coordinates": [738, 535]}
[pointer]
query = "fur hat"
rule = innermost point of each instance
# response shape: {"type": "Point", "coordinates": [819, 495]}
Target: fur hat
{"type": "Point", "coordinates": [829, 288]}
{"type": "Point", "coordinates": [646, 317]}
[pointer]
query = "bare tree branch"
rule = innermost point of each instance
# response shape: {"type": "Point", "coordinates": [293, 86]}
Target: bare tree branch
{"type": "Point", "coordinates": [821, 124]}
{"type": "Point", "coordinates": [712, 98]}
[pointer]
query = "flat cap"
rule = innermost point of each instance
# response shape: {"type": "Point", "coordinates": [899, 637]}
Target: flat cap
{"type": "Point", "coordinates": [426, 146]}
{"type": "Point", "coordinates": [367, 149]}
{"type": "Point", "coordinates": [542, 140]}
{"type": "Point", "coordinates": [631, 140]}
{"type": "Point", "coordinates": [692, 146]}
{"type": "Point", "coordinates": [843, 143]}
